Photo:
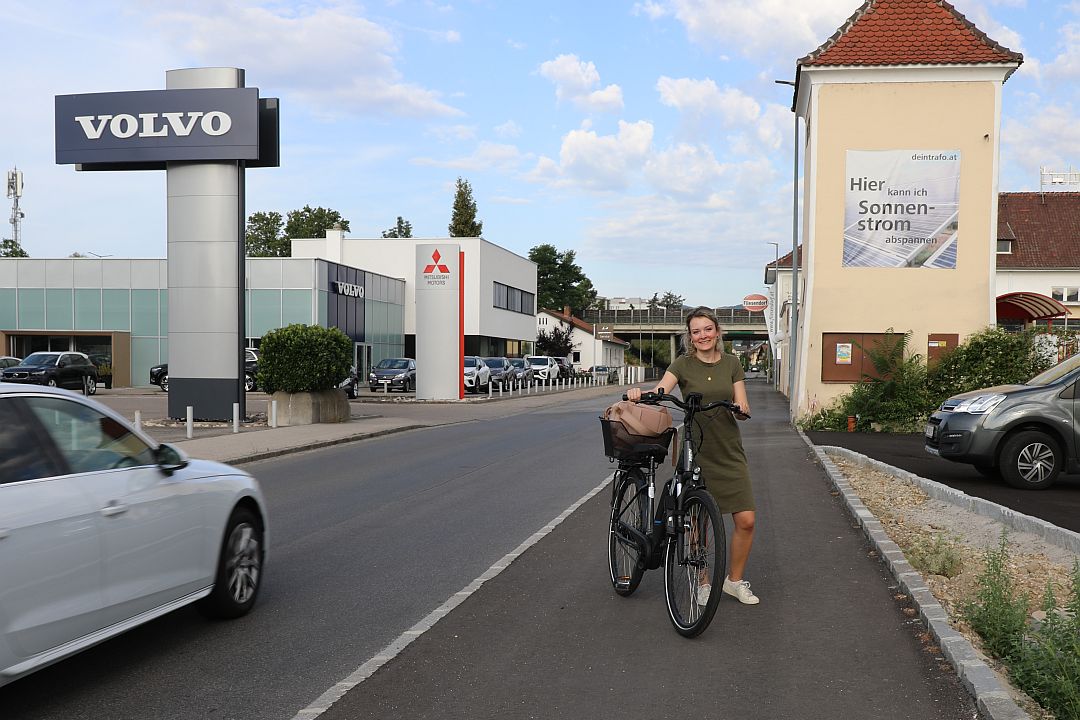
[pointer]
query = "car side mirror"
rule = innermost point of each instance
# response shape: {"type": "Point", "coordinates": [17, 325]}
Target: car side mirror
{"type": "Point", "coordinates": [170, 458]}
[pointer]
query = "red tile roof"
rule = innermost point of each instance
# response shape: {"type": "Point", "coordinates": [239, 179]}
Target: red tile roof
{"type": "Point", "coordinates": [1044, 228]}
{"type": "Point", "coordinates": [909, 32]}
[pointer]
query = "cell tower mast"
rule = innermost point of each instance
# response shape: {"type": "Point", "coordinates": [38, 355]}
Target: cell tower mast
{"type": "Point", "coordinates": [15, 191]}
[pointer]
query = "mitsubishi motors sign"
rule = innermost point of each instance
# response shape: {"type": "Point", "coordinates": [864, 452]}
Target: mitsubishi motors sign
{"type": "Point", "coordinates": [439, 322]}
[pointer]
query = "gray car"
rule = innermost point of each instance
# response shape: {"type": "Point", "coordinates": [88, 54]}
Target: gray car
{"type": "Point", "coordinates": [502, 372]}
{"type": "Point", "coordinates": [523, 372]}
{"type": "Point", "coordinates": [1026, 434]}
{"type": "Point", "coordinates": [393, 374]}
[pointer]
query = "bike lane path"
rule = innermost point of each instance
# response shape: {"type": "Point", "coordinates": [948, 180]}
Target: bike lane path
{"type": "Point", "coordinates": [548, 638]}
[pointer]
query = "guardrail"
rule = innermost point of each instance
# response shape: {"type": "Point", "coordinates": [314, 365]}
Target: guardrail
{"type": "Point", "coordinates": [726, 316]}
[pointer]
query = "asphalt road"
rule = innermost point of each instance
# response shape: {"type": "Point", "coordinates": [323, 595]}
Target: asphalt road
{"type": "Point", "coordinates": [1058, 504]}
{"type": "Point", "coordinates": [369, 538]}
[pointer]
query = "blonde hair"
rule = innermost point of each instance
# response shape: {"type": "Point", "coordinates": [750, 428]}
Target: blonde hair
{"type": "Point", "coordinates": [701, 312]}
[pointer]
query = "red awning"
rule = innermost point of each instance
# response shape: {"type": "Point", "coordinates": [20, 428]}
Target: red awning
{"type": "Point", "coordinates": [1028, 306]}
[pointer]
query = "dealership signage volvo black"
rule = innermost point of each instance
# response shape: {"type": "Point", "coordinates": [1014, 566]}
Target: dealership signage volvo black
{"type": "Point", "coordinates": [205, 129]}
{"type": "Point", "coordinates": [156, 125]}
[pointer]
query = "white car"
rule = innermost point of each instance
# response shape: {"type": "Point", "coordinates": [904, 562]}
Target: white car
{"type": "Point", "coordinates": [477, 375]}
{"type": "Point", "coordinates": [102, 529]}
{"type": "Point", "coordinates": [545, 369]}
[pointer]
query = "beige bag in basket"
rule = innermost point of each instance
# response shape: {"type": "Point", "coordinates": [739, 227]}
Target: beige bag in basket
{"type": "Point", "coordinates": [640, 419]}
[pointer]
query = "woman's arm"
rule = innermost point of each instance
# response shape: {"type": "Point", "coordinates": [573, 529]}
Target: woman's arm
{"type": "Point", "coordinates": [666, 385]}
{"type": "Point", "coordinates": [739, 398]}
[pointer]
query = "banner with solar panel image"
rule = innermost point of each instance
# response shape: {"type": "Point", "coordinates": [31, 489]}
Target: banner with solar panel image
{"type": "Point", "coordinates": [901, 208]}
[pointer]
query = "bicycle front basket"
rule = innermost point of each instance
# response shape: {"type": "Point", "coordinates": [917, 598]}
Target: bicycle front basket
{"type": "Point", "coordinates": [619, 442]}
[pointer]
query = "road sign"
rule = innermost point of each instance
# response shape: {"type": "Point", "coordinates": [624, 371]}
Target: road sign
{"type": "Point", "coordinates": [755, 303]}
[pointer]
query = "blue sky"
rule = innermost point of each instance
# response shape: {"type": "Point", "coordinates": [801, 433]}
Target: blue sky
{"type": "Point", "coordinates": [647, 136]}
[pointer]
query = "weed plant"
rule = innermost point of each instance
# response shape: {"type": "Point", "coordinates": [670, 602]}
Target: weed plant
{"type": "Point", "coordinates": [937, 556]}
{"type": "Point", "coordinates": [1043, 658]}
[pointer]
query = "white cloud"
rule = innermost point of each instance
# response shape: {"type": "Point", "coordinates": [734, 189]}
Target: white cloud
{"type": "Point", "coordinates": [650, 9]}
{"type": "Point", "coordinates": [1047, 136]}
{"type": "Point", "coordinates": [487, 156]}
{"type": "Point", "coordinates": [699, 99]}
{"type": "Point", "coordinates": [453, 132]}
{"type": "Point", "coordinates": [329, 57]}
{"type": "Point", "coordinates": [508, 129]}
{"type": "Point", "coordinates": [687, 170]}
{"type": "Point", "coordinates": [575, 81]}
{"type": "Point", "coordinates": [762, 28]}
{"type": "Point", "coordinates": [605, 162]}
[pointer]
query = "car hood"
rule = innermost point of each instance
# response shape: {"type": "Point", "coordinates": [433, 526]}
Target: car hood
{"type": "Point", "coordinates": [26, 368]}
{"type": "Point", "coordinates": [387, 372]}
{"type": "Point", "coordinates": [996, 390]}
{"type": "Point", "coordinates": [212, 468]}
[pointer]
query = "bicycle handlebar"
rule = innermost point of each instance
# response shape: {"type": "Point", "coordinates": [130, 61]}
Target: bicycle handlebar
{"type": "Point", "coordinates": [692, 403]}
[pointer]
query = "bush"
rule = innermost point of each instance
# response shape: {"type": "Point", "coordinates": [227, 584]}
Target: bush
{"type": "Point", "coordinates": [304, 358]}
{"type": "Point", "coordinates": [987, 358]}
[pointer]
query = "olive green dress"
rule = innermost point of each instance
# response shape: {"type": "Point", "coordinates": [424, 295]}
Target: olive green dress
{"type": "Point", "coordinates": [720, 454]}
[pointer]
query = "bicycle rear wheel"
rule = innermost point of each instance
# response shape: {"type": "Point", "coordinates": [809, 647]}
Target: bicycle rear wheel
{"type": "Point", "coordinates": [629, 511]}
{"type": "Point", "coordinates": [695, 558]}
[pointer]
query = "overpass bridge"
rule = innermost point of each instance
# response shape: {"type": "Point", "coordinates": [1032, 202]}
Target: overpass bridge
{"type": "Point", "coordinates": [738, 325]}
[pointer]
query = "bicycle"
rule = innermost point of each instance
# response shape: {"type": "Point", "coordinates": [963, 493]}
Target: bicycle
{"type": "Point", "coordinates": [683, 529]}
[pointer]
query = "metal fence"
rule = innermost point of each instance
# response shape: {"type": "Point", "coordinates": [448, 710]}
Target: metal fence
{"type": "Point", "coordinates": [663, 316]}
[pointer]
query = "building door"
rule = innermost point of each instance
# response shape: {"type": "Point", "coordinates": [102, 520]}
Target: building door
{"type": "Point", "coordinates": [362, 360]}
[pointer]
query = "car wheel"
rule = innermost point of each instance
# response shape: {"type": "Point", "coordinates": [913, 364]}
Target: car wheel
{"type": "Point", "coordinates": [352, 391]}
{"type": "Point", "coordinates": [249, 383]}
{"type": "Point", "coordinates": [91, 386]}
{"type": "Point", "coordinates": [1030, 460]}
{"type": "Point", "coordinates": [51, 382]}
{"type": "Point", "coordinates": [164, 383]}
{"type": "Point", "coordinates": [239, 570]}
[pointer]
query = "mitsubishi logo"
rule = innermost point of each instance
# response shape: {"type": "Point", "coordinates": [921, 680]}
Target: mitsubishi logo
{"type": "Point", "coordinates": [436, 257]}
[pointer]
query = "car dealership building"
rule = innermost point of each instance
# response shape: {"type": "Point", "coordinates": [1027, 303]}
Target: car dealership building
{"type": "Point", "coordinates": [117, 310]}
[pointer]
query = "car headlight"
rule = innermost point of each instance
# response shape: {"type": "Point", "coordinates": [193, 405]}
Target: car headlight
{"type": "Point", "coordinates": [37, 372]}
{"type": "Point", "coordinates": [400, 376]}
{"type": "Point", "coordinates": [979, 405]}
{"type": "Point", "coordinates": [372, 377]}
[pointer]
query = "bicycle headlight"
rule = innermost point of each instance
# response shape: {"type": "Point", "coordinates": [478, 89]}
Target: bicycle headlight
{"type": "Point", "coordinates": [979, 405]}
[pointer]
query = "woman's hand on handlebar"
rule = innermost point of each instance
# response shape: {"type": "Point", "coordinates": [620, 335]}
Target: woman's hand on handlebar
{"type": "Point", "coordinates": [739, 414]}
{"type": "Point", "coordinates": [634, 393]}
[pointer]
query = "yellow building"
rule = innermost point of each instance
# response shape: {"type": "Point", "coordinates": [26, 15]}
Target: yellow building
{"type": "Point", "coordinates": [902, 109]}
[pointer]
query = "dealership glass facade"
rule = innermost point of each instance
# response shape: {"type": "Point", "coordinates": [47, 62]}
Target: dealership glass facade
{"type": "Point", "coordinates": [102, 306]}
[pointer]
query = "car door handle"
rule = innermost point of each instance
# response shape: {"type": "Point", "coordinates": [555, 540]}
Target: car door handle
{"type": "Point", "coordinates": [114, 508]}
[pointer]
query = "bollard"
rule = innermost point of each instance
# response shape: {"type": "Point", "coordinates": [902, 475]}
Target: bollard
{"type": "Point", "coordinates": [500, 389]}
{"type": "Point", "coordinates": [273, 413]}
{"type": "Point", "coordinates": [138, 420]}
{"type": "Point", "coordinates": [236, 417]}
{"type": "Point", "coordinates": [190, 421]}
{"type": "Point", "coordinates": [489, 389]}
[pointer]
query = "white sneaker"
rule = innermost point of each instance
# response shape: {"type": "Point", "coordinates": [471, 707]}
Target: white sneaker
{"type": "Point", "coordinates": [741, 591]}
{"type": "Point", "coordinates": [703, 593]}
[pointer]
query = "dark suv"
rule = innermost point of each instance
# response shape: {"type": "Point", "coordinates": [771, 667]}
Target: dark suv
{"type": "Point", "coordinates": [1026, 434]}
{"type": "Point", "coordinates": [59, 369]}
{"type": "Point", "coordinates": [159, 374]}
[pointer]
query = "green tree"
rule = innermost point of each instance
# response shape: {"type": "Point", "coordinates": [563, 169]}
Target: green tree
{"type": "Point", "coordinates": [309, 222]}
{"type": "Point", "coordinates": [671, 301]}
{"type": "Point", "coordinates": [556, 343]}
{"type": "Point", "coordinates": [403, 229]}
{"type": "Point", "coordinates": [560, 281]}
{"type": "Point", "coordinates": [463, 222]}
{"type": "Point", "coordinates": [265, 236]}
{"type": "Point", "coordinates": [11, 248]}
{"type": "Point", "coordinates": [654, 302]}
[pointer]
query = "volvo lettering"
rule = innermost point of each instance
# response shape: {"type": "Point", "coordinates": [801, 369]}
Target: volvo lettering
{"type": "Point", "coordinates": [180, 124]}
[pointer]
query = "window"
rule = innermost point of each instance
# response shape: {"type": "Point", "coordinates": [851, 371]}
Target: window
{"type": "Point", "coordinates": [513, 299]}
{"type": "Point", "coordinates": [21, 455]}
{"type": "Point", "coordinates": [1004, 247]}
{"type": "Point", "coordinates": [1066, 294]}
{"type": "Point", "coordinates": [89, 440]}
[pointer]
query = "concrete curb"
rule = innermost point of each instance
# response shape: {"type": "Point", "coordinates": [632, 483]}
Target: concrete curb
{"type": "Point", "coordinates": [991, 696]}
{"type": "Point", "coordinates": [291, 450]}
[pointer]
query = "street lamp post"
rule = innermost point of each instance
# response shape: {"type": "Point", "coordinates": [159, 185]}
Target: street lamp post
{"type": "Point", "coordinates": [776, 312]}
{"type": "Point", "coordinates": [793, 341]}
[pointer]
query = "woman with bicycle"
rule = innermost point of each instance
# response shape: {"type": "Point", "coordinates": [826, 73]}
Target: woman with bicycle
{"type": "Point", "coordinates": [706, 369]}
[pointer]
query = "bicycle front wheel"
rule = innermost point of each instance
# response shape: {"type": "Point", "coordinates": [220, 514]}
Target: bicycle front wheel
{"type": "Point", "coordinates": [629, 513]}
{"type": "Point", "coordinates": [695, 564]}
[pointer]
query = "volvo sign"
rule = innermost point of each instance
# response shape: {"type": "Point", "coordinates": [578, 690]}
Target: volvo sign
{"type": "Point", "coordinates": [152, 126]}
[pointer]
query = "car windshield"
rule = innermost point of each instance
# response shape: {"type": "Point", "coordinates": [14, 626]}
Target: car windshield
{"type": "Point", "coordinates": [494, 362]}
{"type": "Point", "coordinates": [393, 364]}
{"type": "Point", "coordinates": [470, 362]}
{"type": "Point", "coordinates": [539, 361]}
{"type": "Point", "coordinates": [1055, 373]}
{"type": "Point", "coordinates": [41, 359]}
{"type": "Point", "coordinates": [518, 363]}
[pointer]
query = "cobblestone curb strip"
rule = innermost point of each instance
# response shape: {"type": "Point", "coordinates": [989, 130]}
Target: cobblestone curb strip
{"type": "Point", "coordinates": [991, 697]}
